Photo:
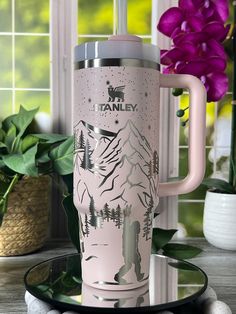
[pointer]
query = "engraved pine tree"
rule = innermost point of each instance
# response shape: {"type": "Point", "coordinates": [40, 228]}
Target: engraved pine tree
{"type": "Point", "coordinates": [113, 214]}
{"type": "Point", "coordinates": [155, 163]}
{"type": "Point", "coordinates": [92, 216]}
{"type": "Point", "coordinates": [118, 217]}
{"type": "Point", "coordinates": [86, 225]}
{"type": "Point", "coordinates": [81, 141]}
{"type": "Point", "coordinates": [148, 220]}
{"type": "Point", "coordinates": [86, 163]}
{"type": "Point", "coordinates": [107, 212]}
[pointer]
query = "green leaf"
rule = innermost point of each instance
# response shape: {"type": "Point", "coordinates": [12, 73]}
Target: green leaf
{"type": "Point", "coordinates": [72, 220]}
{"type": "Point", "coordinates": [23, 163]}
{"type": "Point", "coordinates": [43, 152]}
{"type": "Point", "coordinates": [7, 123]}
{"type": "Point", "coordinates": [2, 145]}
{"type": "Point", "coordinates": [62, 157]}
{"type": "Point", "coordinates": [161, 237]}
{"type": "Point", "coordinates": [177, 92]}
{"type": "Point", "coordinates": [51, 138]}
{"type": "Point", "coordinates": [180, 251]}
{"type": "Point", "coordinates": [28, 142]}
{"type": "Point", "coordinates": [10, 137]}
{"type": "Point", "coordinates": [23, 119]}
{"type": "Point", "coordinates": [3, 186]}
{"type": "Point", "coordinates": [42, 290]}
{"type": "Point", "coordinates": [2, 135]}
{"type": "Point", "coordinates": [219, 185]}
{"type": "Point", "coordinates": [3, 209]}
{"type": "Point", "coordinates": [6, 188]}
{"type": "Point", "coordinates": [68, 180]}
{"type": "Point", "coordinates": [1, 163]}
{"type": "Point", "coordinates": [183, 266]}
{"type": "Point", "coordinates": [29, 160]}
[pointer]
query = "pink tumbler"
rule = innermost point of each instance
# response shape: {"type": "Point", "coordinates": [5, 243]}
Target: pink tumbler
{"type": "Point", "coordinates": [116, 164]}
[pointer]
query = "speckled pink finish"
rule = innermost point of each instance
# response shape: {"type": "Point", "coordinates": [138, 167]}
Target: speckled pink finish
{"type": "Point", "coordinates": [126, 155]}
{"type": "Point", "coordinates": [116, 167]}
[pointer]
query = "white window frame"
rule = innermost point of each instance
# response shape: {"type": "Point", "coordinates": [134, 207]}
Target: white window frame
{"type": "Point", "coordinates": [63, 26]}
{"type": "Point", "coordinates": [64, 16]}
{"type": "Point", "coordinates": [64, 38]}
{"type": "Point", "coordinates": [169, 159]}
{"type": "Point", "coordinates": [169, 126]}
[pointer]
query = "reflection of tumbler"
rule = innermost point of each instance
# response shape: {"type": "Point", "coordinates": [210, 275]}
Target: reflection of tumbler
{"type": "Point", "coordinates": [98, 298]}
{"type": "Point", "coordinates": [116, 163]}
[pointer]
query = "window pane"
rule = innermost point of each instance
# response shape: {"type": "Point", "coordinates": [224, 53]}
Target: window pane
{"type": "Point", "coordinates": [32, 16]}
{"type": "Point", "coordinates": [190, 219]}
{"type": "Point", "coordinates": [5, 61]}
{"type": "Point", "coordinates": [5, 104]}
{"type": "Point", "coordinates": [199, 193]}
{"type": "Point", "coordinates": [95, 17]}
{"type": "Point", "coordinates": [225, 107]}
{"type": "Point", "coordinates": [32, 62]}
{"type": "Point", "coordinates": [100, 12]}
{"type": "Point", "coordinates": [210, 119]}
{"type": "Point", "coordinates": [139, 17]}
{"type": "Point", "coordinates": [33, 99]}
{"type": "Point", "coordinates": [5, 16]}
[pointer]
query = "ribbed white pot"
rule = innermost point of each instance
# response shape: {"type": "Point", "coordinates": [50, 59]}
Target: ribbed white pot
{"type": "Point", "coordinates": [219, 223]}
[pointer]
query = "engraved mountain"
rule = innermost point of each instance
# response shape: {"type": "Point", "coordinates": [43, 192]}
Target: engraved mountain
{"type": "Point", "coordinates": [84, 131]}
{"type": "Point", "coordinates": [120, 169]}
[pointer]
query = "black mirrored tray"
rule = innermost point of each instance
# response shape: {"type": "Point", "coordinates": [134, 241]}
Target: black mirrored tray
{"type": "Point", "coordinates": [173, 285]}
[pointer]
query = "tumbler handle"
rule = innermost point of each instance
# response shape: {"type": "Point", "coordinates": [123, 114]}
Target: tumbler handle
{"type": "Point", "coordinates": [197, 130]}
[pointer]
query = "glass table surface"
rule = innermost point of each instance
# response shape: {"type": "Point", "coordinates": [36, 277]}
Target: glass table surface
{"type": "Point", "coordinates": [173, 285]}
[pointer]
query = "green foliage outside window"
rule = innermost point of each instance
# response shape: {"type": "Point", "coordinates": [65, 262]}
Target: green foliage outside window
{"type": "Point", "coordinates": [30, 59]}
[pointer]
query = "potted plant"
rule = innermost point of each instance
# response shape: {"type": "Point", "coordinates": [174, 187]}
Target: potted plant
{"type": "Point", "coordinates": [219, 223]}
{"type": "Point", "coordinates": [198, 31]}
{"type": "Point", "coordinates": [26, 162]}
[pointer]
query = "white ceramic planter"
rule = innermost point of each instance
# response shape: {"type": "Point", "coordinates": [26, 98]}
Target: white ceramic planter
{"type": "Point", "coordinates": [219, 223]}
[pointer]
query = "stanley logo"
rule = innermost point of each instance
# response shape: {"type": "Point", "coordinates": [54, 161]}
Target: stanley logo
{"type": "Point", "coordinates": [116, 101]}
{"type": "Point", "coordinates": [117, 92]}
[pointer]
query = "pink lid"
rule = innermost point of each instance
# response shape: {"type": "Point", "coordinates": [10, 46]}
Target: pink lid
{"type": "Point", "coordinates": [125, 38]}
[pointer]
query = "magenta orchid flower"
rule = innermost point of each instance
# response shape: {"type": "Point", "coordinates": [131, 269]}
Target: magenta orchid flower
{"type": "Point", "coordinates": [197, 30]}
{"type": "Point", "coordinates": [212, 10]}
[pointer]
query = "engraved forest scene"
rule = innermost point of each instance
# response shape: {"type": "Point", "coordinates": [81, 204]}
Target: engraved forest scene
{"type": "Point", "coordinates": [116, 179]}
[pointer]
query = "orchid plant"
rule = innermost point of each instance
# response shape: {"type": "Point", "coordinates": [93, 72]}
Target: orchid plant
{"type": "Point", "coordinates": [198, 31]}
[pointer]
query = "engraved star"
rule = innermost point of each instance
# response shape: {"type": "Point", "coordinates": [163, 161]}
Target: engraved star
{"type": "Point", "coordinates": [117, 122]}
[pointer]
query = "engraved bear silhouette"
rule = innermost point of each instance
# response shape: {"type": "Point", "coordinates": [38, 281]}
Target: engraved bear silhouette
{"type": "Point", "coordinates": [117, 92]}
